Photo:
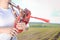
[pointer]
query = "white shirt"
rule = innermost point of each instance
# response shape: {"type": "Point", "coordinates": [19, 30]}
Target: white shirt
{"type": "Point", "coordinates": [6, 18]}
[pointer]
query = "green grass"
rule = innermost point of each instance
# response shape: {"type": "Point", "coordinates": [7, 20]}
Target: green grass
{"type": "Point", "coordinates": [39, 34]}
{"type": "Point", "coordinates": [41, 31]}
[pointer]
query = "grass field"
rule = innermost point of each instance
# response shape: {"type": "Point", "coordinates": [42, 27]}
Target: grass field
{"type": "Point", "coordinates": [38, 33]}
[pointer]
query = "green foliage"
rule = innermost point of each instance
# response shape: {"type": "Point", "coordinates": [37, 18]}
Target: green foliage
{"type": "Point", "coordinates": [43, 25]}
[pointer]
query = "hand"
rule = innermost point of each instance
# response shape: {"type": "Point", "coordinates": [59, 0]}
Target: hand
{"type": "Point", "coordinates": [19, 28]}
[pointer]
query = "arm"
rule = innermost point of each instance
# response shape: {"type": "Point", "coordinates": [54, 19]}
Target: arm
{"type": "Point", "coordinates": [5, 30]}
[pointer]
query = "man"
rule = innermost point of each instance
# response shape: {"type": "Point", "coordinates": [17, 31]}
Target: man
{"type": "Point", "coordinates": [7, 20]}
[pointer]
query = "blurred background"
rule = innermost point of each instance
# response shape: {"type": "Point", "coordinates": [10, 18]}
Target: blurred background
{"type": "Point", "coordinates": [39, 30]}
{"type": "Point", "coordinates": [48, 9]}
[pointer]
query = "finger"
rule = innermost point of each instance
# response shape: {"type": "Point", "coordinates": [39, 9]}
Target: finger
{"type": "Point", "coordinates": [21, 25]}
{"type": "Point", "coordinates": [13, 32]}
{"type": "Point", "coordinates": [15, 29]}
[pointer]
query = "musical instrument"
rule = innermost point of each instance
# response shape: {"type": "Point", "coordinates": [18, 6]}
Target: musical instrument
{"type": "Point", "coordinates": [24, 15]}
